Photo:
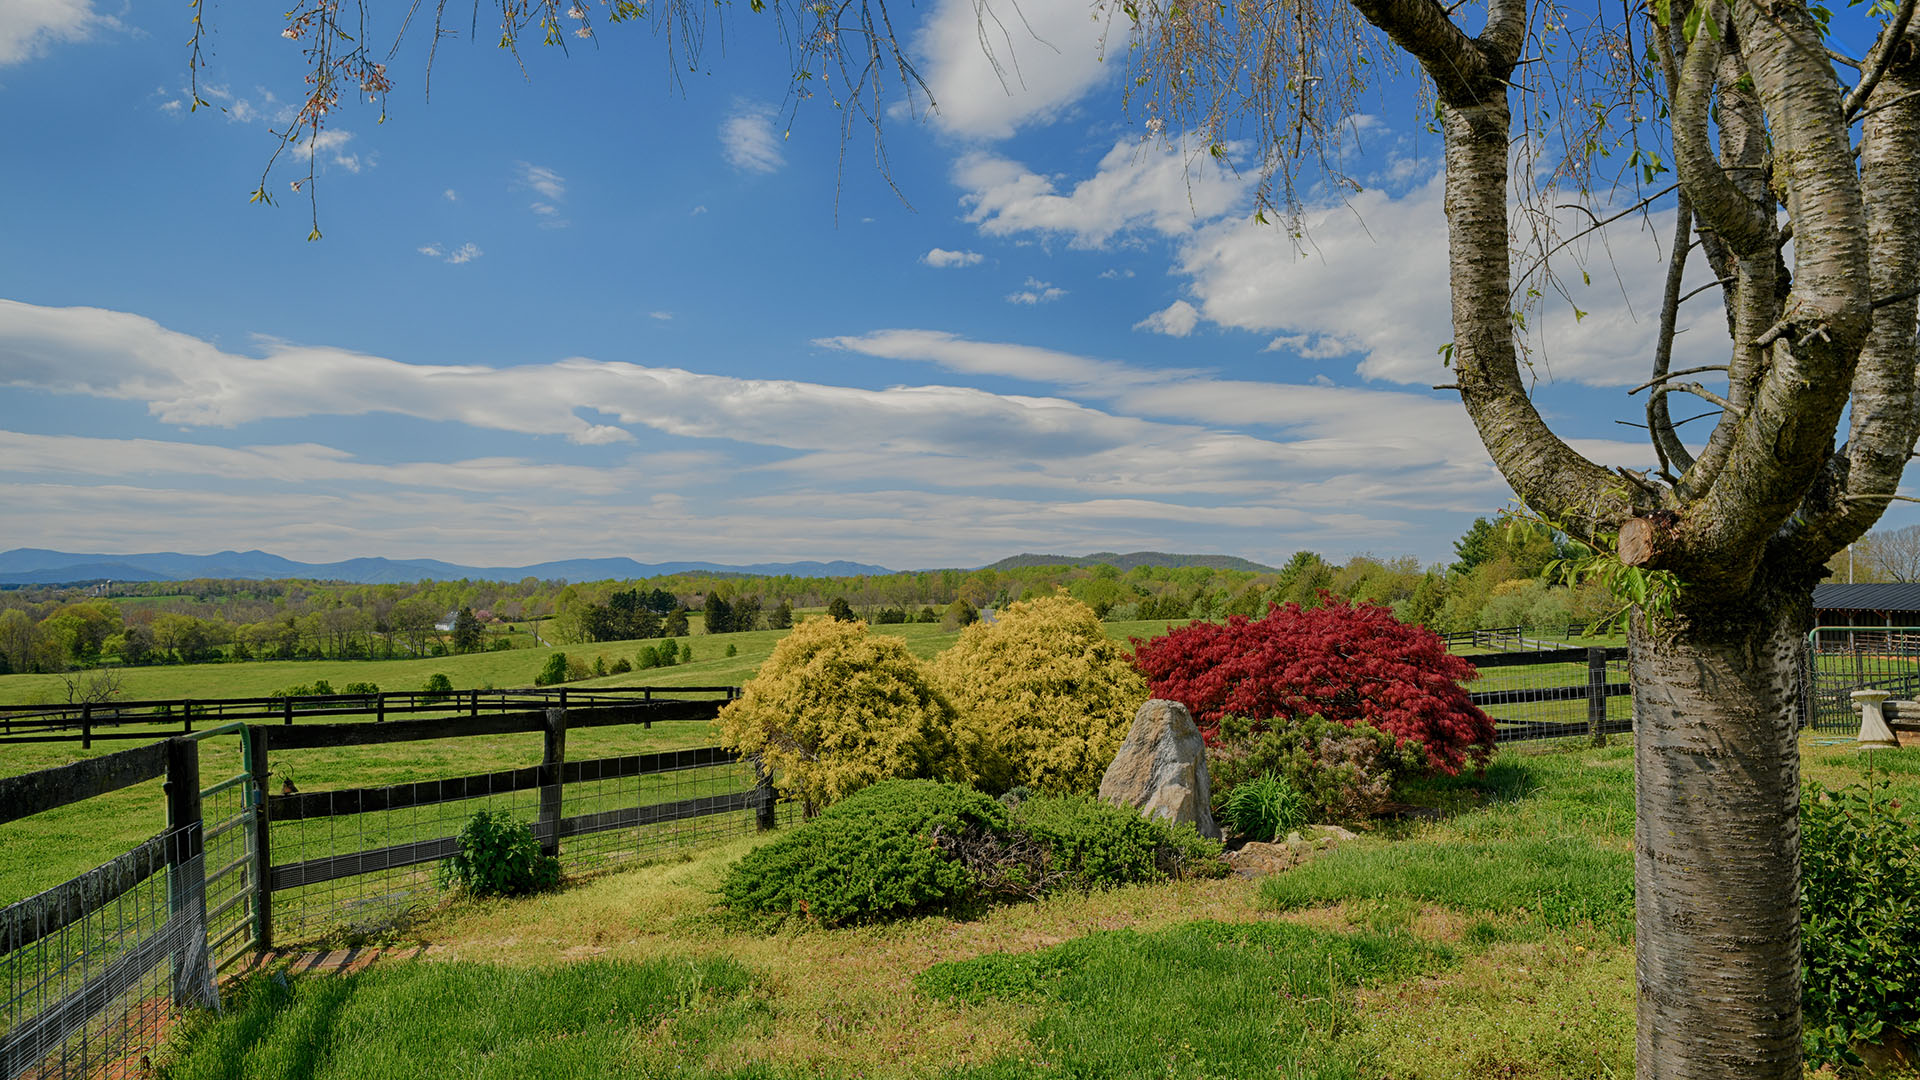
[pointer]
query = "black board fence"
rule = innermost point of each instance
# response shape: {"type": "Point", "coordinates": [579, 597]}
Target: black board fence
{"type": "Point", "coordinates": [91, 968]}
{"type": "Point", "coordinates": [1554, 693]}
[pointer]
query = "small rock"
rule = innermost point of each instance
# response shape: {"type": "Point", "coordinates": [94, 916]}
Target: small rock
{"type": "Point", "coordinates": [1334, 833]}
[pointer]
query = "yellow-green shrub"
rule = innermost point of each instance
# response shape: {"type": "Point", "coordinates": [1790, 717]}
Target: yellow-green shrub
{"type": "Point", "coordinates": [835, 709]}
{"type": "Point", "coordinates": [1045, 697]}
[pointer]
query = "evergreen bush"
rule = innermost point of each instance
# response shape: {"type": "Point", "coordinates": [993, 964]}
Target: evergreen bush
{"type": "Point", "coordinates": [1344, 773]}
{"type": "Point", "coordinates": [1045, 697]}
{"type": "Point", "coordinates": [836, 708]}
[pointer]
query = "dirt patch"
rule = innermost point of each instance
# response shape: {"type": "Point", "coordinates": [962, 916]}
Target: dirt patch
{"type": "Point", "coordinates": [1332, 918]}
{"type": "Point", "coordinates": [1440, 924]}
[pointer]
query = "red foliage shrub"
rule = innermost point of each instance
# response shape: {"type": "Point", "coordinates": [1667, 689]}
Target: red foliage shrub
{"type": "Point", "coordinates": [1344, 662]}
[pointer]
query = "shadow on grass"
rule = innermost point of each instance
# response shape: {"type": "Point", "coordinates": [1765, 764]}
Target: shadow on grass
{"type": "Point", "coordinates": [452, 1019]}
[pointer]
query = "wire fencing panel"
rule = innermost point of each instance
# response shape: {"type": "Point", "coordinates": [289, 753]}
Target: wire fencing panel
{"type": "Point", "coordinates": [93, 967]}
{"type": "Point", "coordinates": [1842, 659]}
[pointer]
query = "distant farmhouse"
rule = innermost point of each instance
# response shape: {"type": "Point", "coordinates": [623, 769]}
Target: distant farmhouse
{"type": "Point", "coordinates": [1888, 604]}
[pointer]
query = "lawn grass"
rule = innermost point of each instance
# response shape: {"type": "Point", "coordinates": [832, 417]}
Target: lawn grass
{"type": "Point", "coordinates": [1492, 941]}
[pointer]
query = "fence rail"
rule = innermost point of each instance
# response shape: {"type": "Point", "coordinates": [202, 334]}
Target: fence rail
{"type": "Point", "coordinates": [1518, 689]}
{"type": "Point", "coordinates": [91, 966]}
{"type": "Point", "coordinates": [86, 722]}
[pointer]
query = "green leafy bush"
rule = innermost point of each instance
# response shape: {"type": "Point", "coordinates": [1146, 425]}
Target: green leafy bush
{"type": "Point", "coordinates": [438, 688]}
{"type": "Point", "coordinates": [1344, 772]}
{"type": "Point", "coordinates": [1265, 808]}
{"type": "Point", "coordinates": [553, 672]}
{"type": "Point", "coordinates": [1093, 844]}
{"type": "Point", "coordinates": [620, 666]}
{"type": "Point", "coordinates": [497, 855]}
{"type": "Point", "coordinates": [360, 688]}
{"type": "Point", "coordinates": [1859, 917]}
{"type": "Point", "coordinates": [873, 855]}
{"type": "Point", "coordinates": [903, 847]}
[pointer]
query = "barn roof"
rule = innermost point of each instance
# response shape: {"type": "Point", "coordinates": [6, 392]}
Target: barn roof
{"type": "Point", "coordinates": [1890, 596]}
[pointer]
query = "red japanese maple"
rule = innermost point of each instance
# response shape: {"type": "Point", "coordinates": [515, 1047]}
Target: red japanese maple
{"type": "Point", "coordinates": [1345, 662]}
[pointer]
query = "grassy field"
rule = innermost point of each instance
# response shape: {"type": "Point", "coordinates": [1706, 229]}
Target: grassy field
{"type": "Point", "coordinates": [1493, 941]}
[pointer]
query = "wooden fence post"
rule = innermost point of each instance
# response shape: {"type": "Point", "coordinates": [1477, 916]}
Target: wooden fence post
{"type": "Point", "coordinates": [86, 726]}
{"type": "Point", "coordinates": [187, 876]}
{"type": "Point", "coordinates": [552, 763]}
{"type": "Point", "coordinates": [1597, 695]}
{"type": "Point", "coordinates": [262, 849]}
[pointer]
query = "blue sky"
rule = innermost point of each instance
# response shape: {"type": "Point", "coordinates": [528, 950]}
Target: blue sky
{"type": "Point", "coordinates": [607, 310]}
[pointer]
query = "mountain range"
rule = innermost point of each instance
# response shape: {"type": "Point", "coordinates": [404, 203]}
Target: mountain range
{"type": "Point", "coordinates": [38, 566]}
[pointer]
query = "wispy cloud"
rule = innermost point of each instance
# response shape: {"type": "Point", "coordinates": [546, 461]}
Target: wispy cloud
{"type": "Point", "coordinates": [748, 140]}
{"type": "Point", "coordinates": [465, 253]}
{"type": "Point", "coordinates": [543, 180]}
{"type": "Point", "coordinates": [941, 258]}
{"type": "Point", "coordinates": [663, 316]}
{"type": "Point", "coordinates": [1036, 292]}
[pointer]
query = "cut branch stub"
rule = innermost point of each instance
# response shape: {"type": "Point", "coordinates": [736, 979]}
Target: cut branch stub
{"type": "Point", "coordinates": [1647, 541]}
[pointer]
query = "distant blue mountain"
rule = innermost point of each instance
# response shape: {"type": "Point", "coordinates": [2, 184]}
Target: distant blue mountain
{"type": "Point", "coordinates": [38, 566]}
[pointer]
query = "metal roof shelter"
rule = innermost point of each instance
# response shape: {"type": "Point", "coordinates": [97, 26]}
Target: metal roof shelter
{"type": "Point", "coordinates": [1881, 604]}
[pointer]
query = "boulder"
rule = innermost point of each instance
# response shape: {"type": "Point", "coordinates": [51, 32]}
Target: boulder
{"type": "Point", "coordinates": [1161, 769]}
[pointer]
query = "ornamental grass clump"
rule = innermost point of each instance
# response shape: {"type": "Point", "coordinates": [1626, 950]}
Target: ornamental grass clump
{"type": "Point", "coordinates": [1044, 696]}
{"type": "Point", "coordinates": [1265, 808]}
{"type": "Point", "coordinates": [1348, 663]}
{"type": "Point", "coordinates": [835, 709]}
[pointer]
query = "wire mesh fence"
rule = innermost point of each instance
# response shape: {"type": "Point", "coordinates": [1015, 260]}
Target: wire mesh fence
{"type": "Point", "coordinates": [1842, 659]}
{"type": "Point", "coordinates": [93, 967]}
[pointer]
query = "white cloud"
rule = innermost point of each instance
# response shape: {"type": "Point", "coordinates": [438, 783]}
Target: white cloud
{"type": "Point", "coordinates": [1373, 283]}
{"type": "Point", "coordinates": [28, 28]}
{"type": "Point", "coordinates": [1115, 275]}
{"type": "Point", "coordinates": [663, 316]}
{"type": "Point", "coordinates": [942, 258]}
{"type": "Point", "coordinates": [465, 253]}
{"type": "Point", "coordinates": [929, 436]}
{"type": "Point", "coordinates": [330, 146]}
{"type": "Point", "coordinates": [1175, 320]}
{"type": "Point", "coordinates": [450, 195]}
{"type": "Point", "coordinates": [1138, 186]}
{"type": "Point", "coordinates": [748, 140]}
{"type": "Point", "coordinates": [1036, 292]}
{"type": "Point", "coordinates": [996, 65]}
{"type": "Point", "coordinates": [543, 180]}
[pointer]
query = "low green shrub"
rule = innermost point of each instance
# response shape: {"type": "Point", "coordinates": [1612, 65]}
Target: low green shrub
{"type": "Point", "coordinates": [903, 847]}
{"type": "Point", "coordinates": [439, 687]}
{"type": "Point", "coordinates": [1859, 917]}
{"type": "Point", "coordinates": [1092, 844]}
{"type": "Point", "coordinates": [1345, 773]}
{"type": "Point", "coordinates": [497, 855]}
{"type": "Point", "coordinates": [553, 672]}
{"type": "Point", "coordinates": [1265, 808]}
{"type": "Point", "coordinates": [873, 855]}
{"type": "Point", "coordinates": [360, 688]}
{"type": "Point", "coordinates": [620, 666]}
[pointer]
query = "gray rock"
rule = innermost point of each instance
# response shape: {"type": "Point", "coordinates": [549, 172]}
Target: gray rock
{"type": "Point", "coordinates": [1161, 769]}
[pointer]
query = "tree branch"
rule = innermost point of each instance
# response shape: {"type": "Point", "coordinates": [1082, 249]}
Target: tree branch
{"type": "Point", "coordinates": [1675, 375]}
{"type": "Point", "coordinates": [1879, 58]}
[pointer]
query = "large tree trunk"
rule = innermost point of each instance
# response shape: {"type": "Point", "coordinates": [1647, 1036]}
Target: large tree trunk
{"type": "Point", "coordinates": [1717, 837]}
